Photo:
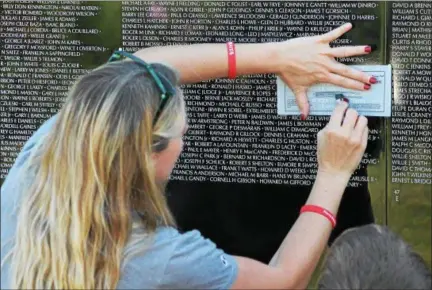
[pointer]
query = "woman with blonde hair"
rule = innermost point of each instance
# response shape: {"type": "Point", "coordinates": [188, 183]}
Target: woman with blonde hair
{"type": "Point", "coordinates": [83, 206]}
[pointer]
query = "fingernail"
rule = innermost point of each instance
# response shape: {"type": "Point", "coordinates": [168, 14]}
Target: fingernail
{"type": "Point", "coordinates": [373, 80]}
{"type": "Point", "coordinates": [302, 117]}
{"type": "Point", "coordinates": [368, 49]}
{"type": "Point", "coordinates": [345, 100]}
{"type": "Point", "coordinates": [373, 47]}
{"type": "Point", "coordinates": [367, 86]}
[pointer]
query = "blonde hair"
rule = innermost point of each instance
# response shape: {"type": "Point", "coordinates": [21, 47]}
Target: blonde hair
{"type": "Point", "coordinates": [92, 181]}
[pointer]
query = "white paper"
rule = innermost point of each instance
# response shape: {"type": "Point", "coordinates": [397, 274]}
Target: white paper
{"type": "Point", "coordinates": [322, 97]}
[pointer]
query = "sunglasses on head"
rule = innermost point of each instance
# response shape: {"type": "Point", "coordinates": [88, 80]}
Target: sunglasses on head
{"type": "Point", "coordinates": [164, 85]}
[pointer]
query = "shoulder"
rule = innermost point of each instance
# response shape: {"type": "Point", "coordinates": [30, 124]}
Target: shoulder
{"type": "Point", "coordinates": [196, 262]}
{"type": "Point", "coordinates": [146, 257]}
{"type": "Point", "coordinates": [176, 260]}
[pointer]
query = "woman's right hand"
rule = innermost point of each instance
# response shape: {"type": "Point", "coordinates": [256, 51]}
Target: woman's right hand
{"type": "Point", "coordinates": [342, 142]}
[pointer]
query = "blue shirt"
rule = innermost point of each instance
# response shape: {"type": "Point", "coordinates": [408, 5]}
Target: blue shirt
{"type": "Point", "coordinates": [173, 260]}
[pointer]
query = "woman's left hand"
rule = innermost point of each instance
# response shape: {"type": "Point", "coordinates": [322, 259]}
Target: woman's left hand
{"type": "Point", "coordinates": [309, 60]}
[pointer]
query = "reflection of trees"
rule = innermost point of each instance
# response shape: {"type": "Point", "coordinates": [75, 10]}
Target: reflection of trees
{"type": "Point", "coordinates": [108, 21]}
{"type": "Point", "coordinates": [411, 215]}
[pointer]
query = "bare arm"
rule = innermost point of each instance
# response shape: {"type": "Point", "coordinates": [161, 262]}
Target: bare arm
{"type": "Point", "coordinates": [300, 62]}
{"type": "Point", "coordinates": [340, 148]}
{"type": "Point", "coordinates": [301, 249]}
{"type": "Point", "coordinates": [200, 62]}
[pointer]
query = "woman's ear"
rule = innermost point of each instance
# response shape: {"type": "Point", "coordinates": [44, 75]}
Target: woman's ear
{"type": "Point", "coordinates": [154, 157]}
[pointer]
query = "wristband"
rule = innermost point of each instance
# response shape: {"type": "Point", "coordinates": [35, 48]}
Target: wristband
{"type": "Point", "coordinates": [321, 211]}
{"type": "Point", "coordinates": [231, 60]}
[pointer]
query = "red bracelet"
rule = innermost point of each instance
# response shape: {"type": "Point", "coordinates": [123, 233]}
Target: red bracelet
{"type": "Point", "coordinates": [321, 211]}
{"type": "Point", "coordinates": [231, 60]}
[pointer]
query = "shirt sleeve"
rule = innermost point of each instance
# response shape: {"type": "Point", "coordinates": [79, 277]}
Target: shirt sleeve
{"type": "Point", "coordinates": [196, 263]}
